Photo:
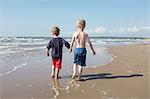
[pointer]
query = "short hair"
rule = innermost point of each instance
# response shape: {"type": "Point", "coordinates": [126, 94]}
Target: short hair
{"type": "Point", "coordinates": [81, 24]}
{"type": "Point", "coordinates": [55, 30]}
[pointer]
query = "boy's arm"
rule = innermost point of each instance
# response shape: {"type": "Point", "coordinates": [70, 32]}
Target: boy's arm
{"type": "Point", "coordinates": [47, 52]}
{"type": "Point", "coordinates": [72, 42]}
{"type": "Point", "coordinates": [66, 44]}
{"type": "Point", "coordinates": [48, 47]}
{"type": "Point", "coordinates": [90, 44]}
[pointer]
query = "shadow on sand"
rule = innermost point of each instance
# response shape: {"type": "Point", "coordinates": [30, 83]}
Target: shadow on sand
{"type": "Point", "coordinates": [108, 76]}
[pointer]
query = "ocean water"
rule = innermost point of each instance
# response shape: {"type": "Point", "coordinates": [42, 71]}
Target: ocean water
{"type": "Point", "coordinates": [17, 52]}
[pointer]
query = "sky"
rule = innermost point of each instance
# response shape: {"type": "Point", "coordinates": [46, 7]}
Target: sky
{"type": "Point", "coordinates": [103, 17]}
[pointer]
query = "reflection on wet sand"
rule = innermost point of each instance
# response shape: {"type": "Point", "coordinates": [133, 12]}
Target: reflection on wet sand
{"type": "Point", "coordinates": [56, 87]}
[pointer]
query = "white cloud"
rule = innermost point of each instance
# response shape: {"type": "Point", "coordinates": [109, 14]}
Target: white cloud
{"type": "Point", "coordinates": [132, 29]}
{"type": "Point", "coordinates": [99, 30]}
{"type": "Point", "coordinates": [146, 28]}
{"type": "Point", "coordinates": [135, 29]}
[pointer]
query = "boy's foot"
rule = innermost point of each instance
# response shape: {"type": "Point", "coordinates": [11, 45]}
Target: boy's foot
{"type": "Point", "coordinates": [52, 76]}
{"type": "Point", "coordinates": [80, 79]}
{"type": "Point", "coordinates": [74, 76]}
{"type": "Point", "coordinates": [57, 77]}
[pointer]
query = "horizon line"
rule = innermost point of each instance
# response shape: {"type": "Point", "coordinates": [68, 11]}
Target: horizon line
{"type": "Point", "coordinates": [136, 37]}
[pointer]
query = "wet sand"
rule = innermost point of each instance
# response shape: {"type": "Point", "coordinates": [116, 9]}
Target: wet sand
{"type": "Point", "coordinates": [127, 76]}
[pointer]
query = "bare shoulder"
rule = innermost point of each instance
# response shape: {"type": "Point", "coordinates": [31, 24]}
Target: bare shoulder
{"type": "Point", "coordinates": [75, 33]}
{"type": "Point", "coordinates": [86, 35]}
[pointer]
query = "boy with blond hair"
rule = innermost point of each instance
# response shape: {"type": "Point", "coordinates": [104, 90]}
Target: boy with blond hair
{"type": "Point", "coordinates": [56, 43]}
{"type": "Point", "coordinates": [80, 38]}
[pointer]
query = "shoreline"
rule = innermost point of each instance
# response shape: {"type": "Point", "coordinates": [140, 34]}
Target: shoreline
{"type": "Point", "coordinates": [112, 56]}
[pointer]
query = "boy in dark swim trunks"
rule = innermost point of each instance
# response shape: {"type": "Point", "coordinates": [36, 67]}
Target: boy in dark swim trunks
{"type": "Point", "coordinates": [80, 38]}
{"type": "Point", "coordinates": [56, 43]}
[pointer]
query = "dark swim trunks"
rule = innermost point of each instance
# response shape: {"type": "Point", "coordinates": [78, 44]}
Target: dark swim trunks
{"type": "Point", "coordinates": [80, 56]}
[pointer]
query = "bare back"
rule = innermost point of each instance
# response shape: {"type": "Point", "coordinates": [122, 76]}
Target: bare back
{"type": "Point", "coordinates": [80, 39]}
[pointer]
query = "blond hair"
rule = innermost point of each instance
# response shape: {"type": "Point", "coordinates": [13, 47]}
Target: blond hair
{"type": "Point", "coordinates": [55, 30]}
{"type": "Point", "coordinates": [81, 24]}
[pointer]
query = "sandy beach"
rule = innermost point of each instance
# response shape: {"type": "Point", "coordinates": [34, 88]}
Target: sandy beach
{"type": "Point", "coordinates": [126, 76]}
{"type": "Point", "coordinates": [33, 33]}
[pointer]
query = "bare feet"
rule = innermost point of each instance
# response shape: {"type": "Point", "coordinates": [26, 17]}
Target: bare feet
{"type": "Point", "coordinates": [80, 79]}
{"type": "Point", "coordinates": [56, 77]}
{"type": "Point", "coordinates": [52, 76]}
{"type": "Point", "coordinates": [74, 76]}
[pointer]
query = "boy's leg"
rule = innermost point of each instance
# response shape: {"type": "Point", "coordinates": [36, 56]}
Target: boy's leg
{"type": "Point", "coordinates": [53, 71]}
{"type": "Point", "coordinates": [80, 72]}
{"type": "Point", "coordinates": [74, 71]}
{"type": "Point", "coordinates": [57, 73]}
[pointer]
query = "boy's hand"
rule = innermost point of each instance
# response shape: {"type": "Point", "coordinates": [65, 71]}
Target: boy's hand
{"type": "Point", "coordinates": [70, 50]}
{"type": "Point", "coordinates": [94, 52]}
{"type": "Point", "coordinates": [47, 53]}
